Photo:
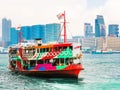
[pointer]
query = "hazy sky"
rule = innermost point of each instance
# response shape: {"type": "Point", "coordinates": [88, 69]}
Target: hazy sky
{"type": "Point", "coordinates": [31, 12]}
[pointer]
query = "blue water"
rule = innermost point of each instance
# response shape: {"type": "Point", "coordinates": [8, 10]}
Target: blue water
{"type": "Point", "coordinates": [102, 72]}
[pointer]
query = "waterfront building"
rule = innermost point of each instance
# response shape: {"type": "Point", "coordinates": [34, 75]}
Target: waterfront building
{"type": "Point", "coordinates": [38, 31]}
{"type": "Point", "coordinates": [25, 32]}
{"type": "Point", "coordinates": [108, 43]}
{"type": "Point", "coordinates": [48, 33]}
{"type": "Point", "coordinates": [13, 36]}
{"type": "Point", "coordinates": [99, 42]}
{"type": "Point", "coordinates": [100, 30]}
{"type": "Point", "coordinates": [77, 39]}
{"type": "Point", "coordinates": [6, 25]}
{"type": "Point", "coordinates": [113, 43]}
{"type": "Point", "coordinates": [88, 43]}
{"type": "Point", "coordinates": [113, 30]}
{"type": "Point", "coordinates": [52, 32]}
{"type": "Point", "coordinates": [88, 30]}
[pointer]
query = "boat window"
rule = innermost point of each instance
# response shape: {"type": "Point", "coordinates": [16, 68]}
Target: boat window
{"type": "Point", "coordinates": [26, 51]}
{"type": "Point", "coordinates": [47, 49]}
{"type": "Point", "coordinates": [55, 48]}
{"type": "Point", "coordinates": [47, 61]}
{"type": "Point", "coordinates": [55, 62]}
{"type": "Point", "coordinates": [40, 62]}
{"type": "Point", "coordinates": [64, 47]}
{"type": "Point", "coordinates": [32, 63]}
{"type": "Point", "coordinates": [60, 48]}
{"type": "Point", "coordinates": [71, 47]}
{"type": "Point", "coordinates": [50, 49]}
{"type": "Point", "coordinates": [37, 50]}
{"type": "Point", "coordinates": [43, 50]}
{"type": "Point", "coordinates": [61, 62]}
{"type": "Point", "coordinates": [34, 51]}
{"type": "Point", "coordinates": [40, 49]}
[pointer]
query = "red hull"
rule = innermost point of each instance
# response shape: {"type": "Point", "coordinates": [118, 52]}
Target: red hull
{"type": "Point", "coordinates": [71, 71]}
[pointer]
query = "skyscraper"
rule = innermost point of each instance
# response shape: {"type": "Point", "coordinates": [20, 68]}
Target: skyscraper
{"type": "Point", "coordinates": [13, 36]}
{"type": "Point", "coordinates": [38, 31]}
{"type": "Point", "coordinates": [52, 32]}
{"type": "Point", "coordinates": [6, 25]}
{"type": "Point", "coordinates": [100, 30]}
{"type": "Point", "coordinates": [88, 30]}
{"type": "Point", "coordinates": [48, 33]}
{"type": "Point", "coordinates": [113, 30]}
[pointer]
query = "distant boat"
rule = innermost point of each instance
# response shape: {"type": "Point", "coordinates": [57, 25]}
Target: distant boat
{"type": "Point", "coordinates": [109, 51]}
{"type": "Point", "coordinates": [47, 60]}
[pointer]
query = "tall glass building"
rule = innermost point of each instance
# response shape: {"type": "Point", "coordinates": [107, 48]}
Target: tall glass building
{"type": "Point", "coordinates": [13, 36]}
{"type": "Point", "coordinates": [38, 31]}
{"type": "Point", "coordinates": [100, 30]}
{"type": "Point", "coordinates": [6, 25]}
{"type": "Point", "coordinates": [25, 30]}
{"type": "Point", "coordinates": [88, 30]}
{"type": "Point", "coordinates": [113, 30]}
{"type": "Point", "coordinates": [52, 32]}
{"type": "Point", "coordinates": [47, 33]}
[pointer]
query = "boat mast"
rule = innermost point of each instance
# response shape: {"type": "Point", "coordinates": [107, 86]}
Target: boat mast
{"type": "Point", "coordinates": [64, 24]}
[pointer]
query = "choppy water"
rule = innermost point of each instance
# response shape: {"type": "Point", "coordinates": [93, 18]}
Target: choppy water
{"type": "Point", "coordinates": [102, 72]}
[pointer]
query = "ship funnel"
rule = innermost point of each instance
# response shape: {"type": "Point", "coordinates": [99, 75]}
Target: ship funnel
{"type": "Point", "coordinates": [38, 41]}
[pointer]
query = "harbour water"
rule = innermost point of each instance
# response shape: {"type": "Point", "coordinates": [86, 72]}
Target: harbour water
{"type": "Point", "coordinates": [102, 72]}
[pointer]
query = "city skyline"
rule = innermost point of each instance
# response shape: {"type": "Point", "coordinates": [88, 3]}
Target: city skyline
{"type": "Point", "coordinates": [30, 12]}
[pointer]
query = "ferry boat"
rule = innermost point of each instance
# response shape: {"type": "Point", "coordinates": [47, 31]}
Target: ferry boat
{"type": "Point", "coordinates": [61, 60]}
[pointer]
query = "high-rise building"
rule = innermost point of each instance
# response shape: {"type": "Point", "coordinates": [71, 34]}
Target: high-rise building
{"type": "Point", "coordinates": [47, 33]}
{"type": "Point", "coordinates": [6, 25]}
{"type": "Point", "coordinates": [38, 31]}
{"type": "Point", "coordinates": [52, 32]}
{"type": "Point", "coordinates": [113, 30]}
{"type": "Point", "coordinates": [25, 32]}
{"type": "Point", "coordinates": [100, 30]}
{"type": "Point", "coordinates": [13, 36]}
{"type": "Point", "coordinates": [88, 30]}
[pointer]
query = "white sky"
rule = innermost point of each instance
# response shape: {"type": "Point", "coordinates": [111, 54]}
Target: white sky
{"type": "Point", "coordinates": [31, 12]}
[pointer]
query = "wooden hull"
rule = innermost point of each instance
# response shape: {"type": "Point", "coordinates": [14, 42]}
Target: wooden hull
{"type": "Point", "coordinates": [69, 72]}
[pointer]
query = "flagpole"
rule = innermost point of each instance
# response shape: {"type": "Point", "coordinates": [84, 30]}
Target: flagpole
{"type": "Point", "coordinates": [65, 36]}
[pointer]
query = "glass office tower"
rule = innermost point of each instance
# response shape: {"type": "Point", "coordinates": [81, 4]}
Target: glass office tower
{"type": "Point", "coordinates": [100, 30]}
{"type": "Point", "coordinates": [6, 25]}
{"type": "Point", "coordinates": [38, 31]}
{"type": "Point", "coordinates": [113, 30]}
{"type": "Point", "coordinates": [52, 32]}
{"type": "Point", "coordinates": [88, 30]}
{"type": "Point", "coordinates": [48, 33]}
{"type": "Point", "coordinates": [13, 36]}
